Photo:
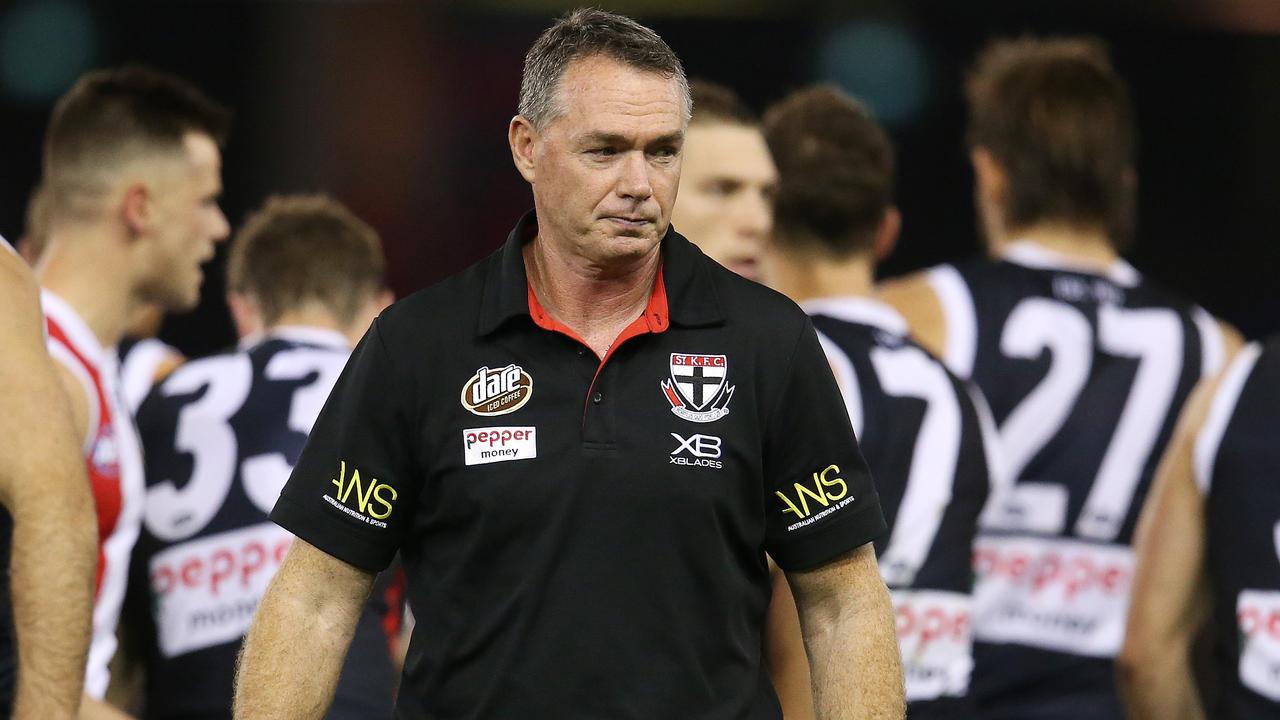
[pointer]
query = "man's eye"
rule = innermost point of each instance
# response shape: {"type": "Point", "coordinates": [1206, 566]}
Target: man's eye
{"type": "Point", "coordinates": [602, 152]}
{"type": "Point", "coordinates": [666, 152]}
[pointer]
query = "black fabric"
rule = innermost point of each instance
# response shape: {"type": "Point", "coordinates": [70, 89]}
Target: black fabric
{"type": "Point", "coordinates": [1018, 674]}
{"type": "Point", "coordinates": [892, 430]}
{"type": "Point", "coordinates": [613, 575]}
{"type": "Point", "coordinates": [238, 413]}
{"type": "Point", "coordinates": [1242, 514]}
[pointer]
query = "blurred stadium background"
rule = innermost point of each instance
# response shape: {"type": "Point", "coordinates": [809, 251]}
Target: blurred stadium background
{"type": "Point", "coordinates": [400, 110]}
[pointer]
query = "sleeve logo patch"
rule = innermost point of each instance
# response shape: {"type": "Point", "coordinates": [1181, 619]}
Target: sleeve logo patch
{"type": "Point", "coordinates": [481, 446]}
{"type": "Point", "coordinates": [827, 488]}
{"type": "Point", "coordinates": [497, 391]}
{"type": "Point", "coordinates": [370, 502]}
{"type": "Point", "coordinates": [698, 387]}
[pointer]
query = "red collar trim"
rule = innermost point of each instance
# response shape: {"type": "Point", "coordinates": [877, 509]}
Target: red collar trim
{"type": "Point", "coordinates": [655, 318]}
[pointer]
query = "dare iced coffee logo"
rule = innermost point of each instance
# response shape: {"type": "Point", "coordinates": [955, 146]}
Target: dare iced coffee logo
{"type": "Point", "coordinates": [497, 391]}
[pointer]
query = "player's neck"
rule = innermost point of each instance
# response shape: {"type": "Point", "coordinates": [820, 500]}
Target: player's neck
{"type": "Point", "coordinates": [309, 317]}
{"type": "Point", "coordinates": [596, 303]}
{"type": "Point", "coordinates": [88, 274]}
{"type": "Point", "coordinates": [1082, 245]}
{"type": "Point", "coordinates": [805, 276]}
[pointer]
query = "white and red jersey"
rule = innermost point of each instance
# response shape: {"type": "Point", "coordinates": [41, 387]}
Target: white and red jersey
{"type": "Point", "coordinates": [114, 463]}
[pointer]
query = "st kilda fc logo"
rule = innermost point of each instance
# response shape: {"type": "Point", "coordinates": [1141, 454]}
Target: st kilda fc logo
{"type": "Point", "coordinates": [698, 388]}
{"type": "Point", "coordinates": [497, 391]}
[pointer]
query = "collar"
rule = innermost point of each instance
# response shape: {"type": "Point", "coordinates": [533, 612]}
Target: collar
{"type": "Point", "coordinates": [1029, 254]}
{"type": "Point", "coordinates": [685, 281]}
{"type": "Point", "coordinates": [859, 310]}
{"type": "Point", "coordinates": [304, 334]}
{"type": "Point", "coordinates": [70, 322]}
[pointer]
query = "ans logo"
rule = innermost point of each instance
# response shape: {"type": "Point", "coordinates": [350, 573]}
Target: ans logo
{"type": "Point", "coordinates": [698, 388]}
{"type": "Point", "coordinates": [497, 392]}
{"type": "Point", "coordinates": [370, 502]}
{"type": "Point", "coordinates": [823, 493]}
{"type": "Point", "coordinates": [705, 450]}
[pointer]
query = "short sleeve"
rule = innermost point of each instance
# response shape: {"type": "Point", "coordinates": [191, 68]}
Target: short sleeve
{"type": "Point", "coordinates": [352, 491]}
{"type": "Point", "coordinates": [820, 501]}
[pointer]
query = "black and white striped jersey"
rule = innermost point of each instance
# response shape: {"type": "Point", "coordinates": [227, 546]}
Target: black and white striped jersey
{"type": "Point", "coordinates": [1085, 372]}
{"type": "Point", "coordinates": [221, 435]}
{"type": "Point", "coordinates": [922, 433]}
{"type": "Point", "coordinates": [1237, 466]}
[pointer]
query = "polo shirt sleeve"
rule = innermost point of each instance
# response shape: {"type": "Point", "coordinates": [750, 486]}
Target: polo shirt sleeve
{"type": "Point", "coordinates": [353, 490]}
{"type": "Point", "coordinates": [819, 499]}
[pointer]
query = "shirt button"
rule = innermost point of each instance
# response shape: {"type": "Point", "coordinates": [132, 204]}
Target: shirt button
{"type": "Point", "coordinates": [597, 398]}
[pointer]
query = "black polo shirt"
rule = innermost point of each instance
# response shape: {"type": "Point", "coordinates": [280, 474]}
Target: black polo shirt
{"type": "Point", "coordinates": [585, 538]}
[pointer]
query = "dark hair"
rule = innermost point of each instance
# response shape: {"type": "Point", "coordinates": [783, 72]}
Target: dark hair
{"type": "Point", "coordinates": [306, 248]}
{"type": "Point", "coordinates": [835, 170]}
{"type": "Point", "coordinates": [112, 116]}
{"type": "Point", "coordinates": [713, 102]}
{"type": "Point", "coordinates": [1058, 118]}
{"type": "Point", "coordinates": [583, 33]}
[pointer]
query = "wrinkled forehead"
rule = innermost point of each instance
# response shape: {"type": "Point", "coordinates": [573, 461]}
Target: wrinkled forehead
{"type": "Point", "coordinates": [598, 94]}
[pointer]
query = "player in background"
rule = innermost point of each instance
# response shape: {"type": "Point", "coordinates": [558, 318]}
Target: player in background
{"type": "Point", "coordinates": [221, 434]}
{"type": "Point", "coordinates": [132, 172]}
{"type": "Point", "coordinates": [1084, 363]}
{"type": "Point", "coordinates": [1208, 547]}
{"type": "Point", "coordinates": [144, 359]}
{"type": "Point", "coordinates": [921, 430]}
{"type": "Point", "coordinates": [47, 543]}
{"type": "Point", "coordinates": [725, 207]}
{"type": "Point", "coordinates": [727, 182]}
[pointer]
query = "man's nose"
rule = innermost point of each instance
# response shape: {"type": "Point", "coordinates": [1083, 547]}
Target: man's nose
{"type": "Point", "coordinates": [633, 180]}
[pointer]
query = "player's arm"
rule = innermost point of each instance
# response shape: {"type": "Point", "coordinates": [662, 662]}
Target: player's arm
{"type": "Point", "coordinates": [1232, 340]}
{"type": "Point", "coordinates": [1170, 598]}
{"type": "Point", "coordinates": [914, 298]}
{"type": "Point", "coordinates": [784, 651]}
{"type": "Point", "coordinates": [43, 485]}
{"type": "Point", "coordinates": [292, 656]}
{"type": "Point", "coordinates": [847, 620]}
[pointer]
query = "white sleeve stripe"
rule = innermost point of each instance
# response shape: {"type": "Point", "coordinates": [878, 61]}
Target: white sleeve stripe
{"type": "Point", "coordinates": [960, 316]}
{"type": "Point", "coordinates": [1221, 409]}
{"type": "Point", "coordinates": [64, 358]}
{"type": "Point", "coordinates": [848, 380]}
{"type": "Point", "coordinates": [1212, 344]}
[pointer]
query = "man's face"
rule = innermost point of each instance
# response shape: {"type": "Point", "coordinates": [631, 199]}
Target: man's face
{"type": "Point", "coordinates": [727, 189]}
{"type": "Point", "coordinates": [605, 171]}
{"type": "Point", "coordinates": [187, 223]}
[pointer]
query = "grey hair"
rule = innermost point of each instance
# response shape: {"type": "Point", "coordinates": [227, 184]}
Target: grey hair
{"type": "Point", "coordinates": [583, 33]}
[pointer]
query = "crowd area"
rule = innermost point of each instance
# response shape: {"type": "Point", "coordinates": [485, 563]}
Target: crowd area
{"type": "Point", "coordinates": [670, 452]}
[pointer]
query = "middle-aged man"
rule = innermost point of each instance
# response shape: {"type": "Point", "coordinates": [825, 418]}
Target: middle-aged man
{"type": "Point", "coordinates": [924, 435]}
{"type": "Point", "coordinates": [47, 541]}
{"type": "Point", "coordinates": [1208, 546]}
{"type": "Point", "coordinates": [584, 446]}
{"type": "Point", "coordinates": [132, 169]}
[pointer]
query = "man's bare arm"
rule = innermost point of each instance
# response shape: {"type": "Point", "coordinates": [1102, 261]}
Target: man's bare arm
{"type": "Point", "coordinates": [294, 651]}
{"type": "Point", "coordinates": [43, 485]}
{"type": "Point", "coordinates": [1169, 600]}
{"type": "Point", "coordinates": [914, 298]}
{"type": "Point", "coordinates": [784, 651]}
{"type": "Point", "coordinates": [849, 635]}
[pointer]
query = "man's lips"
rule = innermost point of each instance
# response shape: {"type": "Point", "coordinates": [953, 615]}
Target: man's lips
{"type": "Point", "coordinates": [629, 221]}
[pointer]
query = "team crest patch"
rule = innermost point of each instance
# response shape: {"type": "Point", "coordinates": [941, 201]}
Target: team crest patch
{"type": "Point", "coordinates": [497, 391]}
{"type": "Point", "coordinates": [698, 388]}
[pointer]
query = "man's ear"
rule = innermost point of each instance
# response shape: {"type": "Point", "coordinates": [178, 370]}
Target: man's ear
{"type": "Point", "coordinates": [522, 136]}
{"type": "Point", "coordinates": [136, 209]}
{"type": "Point", "coordinates": [887, 234]}
{"type": "Point", "coordinates": [990, 177]}
{"type": "Point", "coordinates": [245, 314]}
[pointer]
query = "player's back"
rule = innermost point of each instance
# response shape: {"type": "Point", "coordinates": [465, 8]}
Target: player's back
{"type": "Point", "coordinates": [1238, 468]}
{"type": "Point", "coordinates": [921, 432]}
{"type": "Point", "coordinates": [1085, 372]}
{"type": "Point", "coordinates": [221, 436]}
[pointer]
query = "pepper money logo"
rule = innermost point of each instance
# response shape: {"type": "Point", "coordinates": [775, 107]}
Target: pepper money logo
{"type": "Point", "coordinates": [698, 387]}
{"type": "Point", "coordinates": [373, 501]}
{"type": "Point", "coordinates": [497, 392]}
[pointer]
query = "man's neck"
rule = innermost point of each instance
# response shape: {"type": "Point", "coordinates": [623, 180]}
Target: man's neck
{"type": "Point", "coordinates": [595, 302]}
{"type": "Point", "coordinates": [89, 276]}
{"type": "Point", "coordinates": [1083, 246]}
{"type": "Point", "coordinates": [809, 275]}
{"type": "Point", "coordinates": [317, 318]}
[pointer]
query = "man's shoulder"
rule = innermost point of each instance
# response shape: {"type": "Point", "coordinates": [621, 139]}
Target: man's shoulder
{"type": "Point", "coordinates": [448, 307]}
{"type": "Point", "coordinates": [748, 302]}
